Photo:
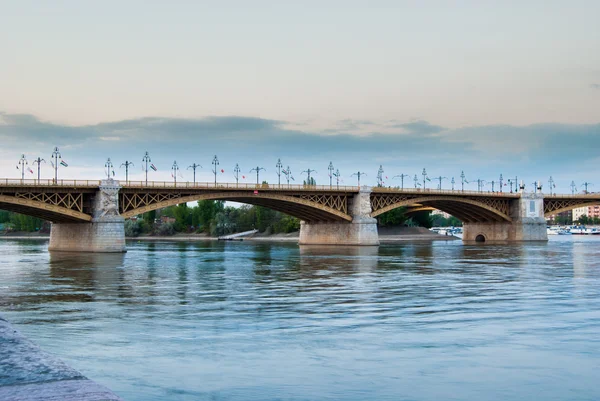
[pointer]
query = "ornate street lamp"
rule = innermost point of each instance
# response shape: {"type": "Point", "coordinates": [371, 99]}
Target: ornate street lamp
{"type": "Point", "coordinates": [127, 164]}
{"type": "Point", "coordinates": [288, 175]}
{"type": "Point", "coordinates": [174, 171]}
{"type": "Point", "coordinates": [424, 174]}
{"type": "Point", "coordinates": [308, 181]}
{"type": "Point", "coordinates": [586, 186]}
{"type": "Point", "coordinates": [550, 184]}
{"type": "Point", "coordinates": [330, 168]}
{"type": "Point", "coordinates": [337, 178]}
{"type": "Point", "coordinates": [279, 166]}
{"type": "Point", "coordinates": [194, 166]}
{"type": "Point", "coordinates": [109, 168]}
{"type": "Point", "coordinates": [39, 160]}
{"type": "Point", "coordinates": [358, 174]}
{"type": "Point", "coordinates": [257, 169]}
{"type": "Point", "coordinates": [56, 155]}
{"type": "Point", "coordinates": [147, 160]}
{"type": "Point", "coordinates": [236, 173]}
{"type": "Point", "coordinates": [401, 179]}
{"type": "Point", "coordinates": [215, 163]}
{"type": "Point", "coordinates": [380, 176]}
{"type": "Point", "coordinates": [22, 162]}
{"type": "Point", "coordinates": [453, 182]}
{"type": "Point", "coordinates": [573, 187]}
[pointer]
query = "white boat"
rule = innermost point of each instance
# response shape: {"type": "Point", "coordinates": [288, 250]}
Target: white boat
{"type": "Point", "coordinates": [557, 231]}
{"type": "Point", "coordinates": [582, 230]}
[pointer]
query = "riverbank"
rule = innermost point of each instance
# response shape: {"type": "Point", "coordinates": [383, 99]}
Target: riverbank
{"type": "Point", "coordinates": [29, 374]}
{"type": "Point", "coordinates": [386, 235]}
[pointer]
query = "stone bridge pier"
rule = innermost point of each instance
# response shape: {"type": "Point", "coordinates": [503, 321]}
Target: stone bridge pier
{"type": "Point", "coordinates": [362, 230]}
{"type": "Point", "coordinates": [105, 233]}
{"type": "Point", "coordinates": [528, 223]}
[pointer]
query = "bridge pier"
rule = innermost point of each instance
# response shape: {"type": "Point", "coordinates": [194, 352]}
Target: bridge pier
{"type": "Point", "coordinates": [106, 232]}
{"type": "Point", "coordinates": [528, 223]}
{"type": "Point", "coordinates": [361, 231]}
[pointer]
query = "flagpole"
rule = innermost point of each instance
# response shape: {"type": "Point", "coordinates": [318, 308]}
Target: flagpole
{"type": "Point", "coordinates": [39, 160]}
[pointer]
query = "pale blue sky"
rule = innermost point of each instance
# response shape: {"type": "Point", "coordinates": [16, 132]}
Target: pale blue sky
{"type": "Point", "coordinates": [484, 86]}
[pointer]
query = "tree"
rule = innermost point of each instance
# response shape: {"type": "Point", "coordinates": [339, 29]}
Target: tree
{"type": "Point", "coordinates": [395, 217]}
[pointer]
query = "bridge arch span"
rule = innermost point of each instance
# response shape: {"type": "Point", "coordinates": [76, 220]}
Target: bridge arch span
{"type": "Point", "coordinates": [42, 210]}
{"type": "Point", "coordinates": [554, 206]}
{"type": "Point", "coordinates": [468, 210]}
{"type": "Point", "coordinates": [304, 209]}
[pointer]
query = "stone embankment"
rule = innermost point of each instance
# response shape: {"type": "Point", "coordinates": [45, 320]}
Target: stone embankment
{"type": "Point", "coordinates": [29, 374]}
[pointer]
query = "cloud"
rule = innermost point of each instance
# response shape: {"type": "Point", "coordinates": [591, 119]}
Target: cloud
{"type": "Point", "coordinates": [419, 127]}
{"type": "Point", "coordinates": [483, 152]}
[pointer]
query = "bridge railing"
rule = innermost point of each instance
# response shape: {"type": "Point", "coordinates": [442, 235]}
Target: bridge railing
{"type": "Point", "coordinates": [233, 185]}
{"type": "Point", "coordinates": [51, 182]}
{"type": "Point", "coordinates": [431, 191]}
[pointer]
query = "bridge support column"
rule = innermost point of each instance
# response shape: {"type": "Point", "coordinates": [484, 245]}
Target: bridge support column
{"type": "Point", "coordinates": [361, 231]}
{"type": "Point", "coordinates": [106, 232]}
{"type": "Point", "coordinates": [528, 223]}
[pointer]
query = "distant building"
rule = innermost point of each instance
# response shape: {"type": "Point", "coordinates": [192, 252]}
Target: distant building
{"type": "Point", "coordinates": [589, 211]}
{"type": "Point", "coordinates": [562, 217]}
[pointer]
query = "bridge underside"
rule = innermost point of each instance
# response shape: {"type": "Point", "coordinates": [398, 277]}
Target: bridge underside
{"type": "Point", "coordinates": [313, 209]}
{"type": "Point", "coordinates": [42, 210]}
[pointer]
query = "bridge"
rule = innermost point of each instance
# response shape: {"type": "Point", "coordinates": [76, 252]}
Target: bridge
{"type": "Point", "coordinates": [88, 215]}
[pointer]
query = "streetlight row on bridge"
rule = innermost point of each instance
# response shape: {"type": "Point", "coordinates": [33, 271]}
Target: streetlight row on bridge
{"type": "Point", "coordinates": [332, 172]}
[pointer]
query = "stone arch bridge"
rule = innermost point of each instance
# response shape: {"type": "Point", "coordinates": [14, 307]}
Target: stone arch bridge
{"type": "Point", "coordinates": [88, 215]}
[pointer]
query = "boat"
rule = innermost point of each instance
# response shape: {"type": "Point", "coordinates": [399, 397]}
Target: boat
{"type": "Point", "coordinates": [582, 230]}
{"type": "Point", "coordinates": [557, 231]}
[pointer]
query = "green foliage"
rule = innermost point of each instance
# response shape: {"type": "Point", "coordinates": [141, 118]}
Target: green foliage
{"type": "Point", "coordinates": [422, 219]}
{"type": "Point", "coordinates": [440, 221]}
{"type": "Point", "coordinates": [133, 228]}
{"type": "Point", "coordinates": [395, 217]}
{"type": "Point", "coordinates": [588, 220]}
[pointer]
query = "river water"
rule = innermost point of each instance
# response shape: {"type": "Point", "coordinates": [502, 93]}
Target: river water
{"type": "Point", "coordinates": [257, 321]}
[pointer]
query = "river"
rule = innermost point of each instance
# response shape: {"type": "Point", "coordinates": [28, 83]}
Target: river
{"type": "Point", "coordinates": [274, 321]}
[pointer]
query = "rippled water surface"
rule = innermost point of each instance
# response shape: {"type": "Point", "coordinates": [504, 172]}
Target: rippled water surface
{"type": "Point", "coordinates": [253, 321]}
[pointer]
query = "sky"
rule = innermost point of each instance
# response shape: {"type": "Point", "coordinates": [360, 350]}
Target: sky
{"type": "Point", "coordinates": [483, 87]}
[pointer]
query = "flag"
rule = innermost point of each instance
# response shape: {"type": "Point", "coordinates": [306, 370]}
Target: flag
{"type": "Point", "coordinates": [64, 163]}
{"type": "Point", "coordinates": [31, 171]}
{"type": "Point", "coordinates": [113, 173]}
{"type": "Point", "coordinates": [222, 171]}
{"type": "Point", "coordinates": [293, 179]}
{"type": "Point", "coordinates": [386, 177]}
{"type": "Point", "coordinates": [427, 178]}
{"type": "Point", "coordinates": [466, 181]}
{"type": "Point", "coordinates": [243, 177]}
{"type": "Point", "coordinates": [17, 167]}
{"type": "Point", "coordinates": [153, 167]}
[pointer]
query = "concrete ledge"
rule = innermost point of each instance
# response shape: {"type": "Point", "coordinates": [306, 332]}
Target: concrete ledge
{"type": "Point", "coordinates": [29, 374]}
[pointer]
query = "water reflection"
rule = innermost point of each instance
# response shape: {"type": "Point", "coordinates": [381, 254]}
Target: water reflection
{"type": "Point", "coordinates": [244, 321]}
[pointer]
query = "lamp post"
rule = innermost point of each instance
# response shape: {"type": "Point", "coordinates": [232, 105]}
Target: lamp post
{"type": "Point", "coordinates": [127, 164]}
{"type": "Point", "coordinates": [194, 166]}
{"type": "Point", "coordinates": [358, 174]}
{"type": "Point", "coordinates": [279, 166]}
{"type": "Point", "coordinates": [440, 178]}
{"type": "Point", "coordinates": [424, 174]}
{"type": "Point", "coordinates": [453, 182]}
{"type": "Point", "coordinates": [39, 160]}
{"type": "Point", "coordinates": [56, 155]}
{"type": "Point", "coordinates": [586, 186]}
{"type": "Point", "coordinates": [501, 182]}
{"type": "Point", "coordinates": [462, 181]}
{"type": "Point", "coordinates": [480, 184]}
{"type": "Point", "coordinates": [109, 168]}
{"type": "Point", "coordinates": [215, 163]}
{"type": "Point", "coordinates": [380, 176]}
{"type": "Point", "coordinates": [22, 162]}
{"type": "Point", "coordinates": [147, 160]}
{"type": "Point", "coordinates": [175, 170]}
{"type": "Point", "coordinates": [330, 168]}
{"type": "Point", "coordinates": [308, 181]}
{"type": "Point", "coordinates": [337, 178]}
{"type": "Point", "coordinates": [573, 187]}
{"type": "Point", "coordinates": [550, 184]}
{"type": "Point", "coordinates": [416, 180]}
{"type": "Point", "coordinates": [236, 173]}
{"type": "Point", "coordinates": [401, 179]}
{"type": "Point", "coordinates": [288, 175]}
{"type": "Point", "coordinates": [257, 169]}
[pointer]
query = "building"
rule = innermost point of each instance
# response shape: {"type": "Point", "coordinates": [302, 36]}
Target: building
{"type": "Point", "coordinates": [589, 211]}
{"type": "Point", "coordinates": [561, 218]}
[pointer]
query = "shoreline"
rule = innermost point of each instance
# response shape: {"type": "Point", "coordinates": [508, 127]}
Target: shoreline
{"type": "Point", "coordinates": [193, 238]}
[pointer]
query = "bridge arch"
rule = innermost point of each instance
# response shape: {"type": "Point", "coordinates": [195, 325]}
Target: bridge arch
{"type": "Point", "coordinates": [552, 206]}
{"type": "Point", "coordinates": [304, 209]}
{"type": "Point", "coordinates": [42, 210]}
{"type": "Point", "coordinates": [467, 210]}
